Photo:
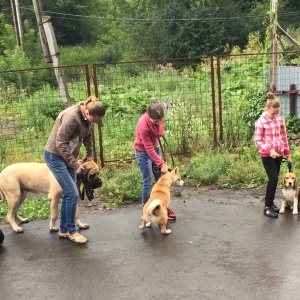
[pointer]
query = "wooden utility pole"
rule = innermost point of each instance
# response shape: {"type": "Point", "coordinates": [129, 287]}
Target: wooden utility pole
{"type": "Point", "coordinates": [274, 48]}
{"type": "Point", "coordinates": [50, 49]}
{"type": "Point", "coordinates": [18, 15]}
{"type": "Point", "coordinates": [38, 9]}
{"type": "Point", "coordinates": [59, 71]}
{"type": "Point", "coordinates": [15, 20]}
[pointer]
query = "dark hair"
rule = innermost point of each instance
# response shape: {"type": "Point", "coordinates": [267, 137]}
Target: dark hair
{"type": "Point", "coordinates": [155, 111]}
{"type": "Point", "coordinates": [272, 101]}
{"type": "Point", "coordinates": [94, 106]}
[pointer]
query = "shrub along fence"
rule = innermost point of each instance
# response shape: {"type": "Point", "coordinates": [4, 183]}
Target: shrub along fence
{"type": "Point", "coordinates": [209, 101]}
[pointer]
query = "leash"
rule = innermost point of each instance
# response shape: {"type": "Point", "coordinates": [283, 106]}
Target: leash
{"type": "Point", "coordinates": [163, 152]}
{"type": "Point", "coordinates": [290, 167]}
{"type": "Point", "coordinates": [86, 187]}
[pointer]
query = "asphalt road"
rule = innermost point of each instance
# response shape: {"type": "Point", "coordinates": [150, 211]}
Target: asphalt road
{"type": "Point", "coordinates": [221, 247]}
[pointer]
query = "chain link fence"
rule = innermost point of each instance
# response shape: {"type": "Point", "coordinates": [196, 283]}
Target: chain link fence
{"type": "Point", "coordinates": [209, 101]}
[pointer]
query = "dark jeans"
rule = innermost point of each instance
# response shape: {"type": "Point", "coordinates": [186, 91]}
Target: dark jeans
{"type": "Point", "coordinates": [272, 167]}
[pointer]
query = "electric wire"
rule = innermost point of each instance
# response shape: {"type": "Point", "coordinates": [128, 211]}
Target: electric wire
{"type": "Point", "coordinates": [65, 16]}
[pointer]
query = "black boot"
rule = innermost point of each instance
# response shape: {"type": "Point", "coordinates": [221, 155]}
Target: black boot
{"type": "Point", "coordinates": [270, 212]}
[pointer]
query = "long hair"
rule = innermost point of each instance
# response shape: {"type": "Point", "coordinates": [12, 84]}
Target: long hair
{"type": "Point", "coordinates": [94, 106]}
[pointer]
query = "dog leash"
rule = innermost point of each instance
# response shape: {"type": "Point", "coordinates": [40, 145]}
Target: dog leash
{"type": "Point", "coordinates": [86, 187]}
{"type": "Point", "coordinates": [289, 170]}
{"type": "Point", "coordinates": [163, 152]}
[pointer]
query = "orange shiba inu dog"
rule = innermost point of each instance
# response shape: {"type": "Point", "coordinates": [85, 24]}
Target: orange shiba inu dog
{"type": "Point", "coordinates": [155, 210]}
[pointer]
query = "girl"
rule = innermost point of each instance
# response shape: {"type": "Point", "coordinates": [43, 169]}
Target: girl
{"type": "Point", "coordinates": [148, 130]}
{"type": "Point", "coordinates": [271, 140]}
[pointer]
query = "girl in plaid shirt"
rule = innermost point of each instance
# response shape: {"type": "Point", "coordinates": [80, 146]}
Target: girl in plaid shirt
{"type": "Point", "coordinates": [271, 140]}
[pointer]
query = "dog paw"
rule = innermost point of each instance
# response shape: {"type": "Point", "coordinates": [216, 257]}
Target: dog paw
{"type": "Point", "coordinates": [24, 221]}
{"type": "Point", "coordinates": [18, 230]}
{"type": "Point", "coordinates": [167, 231]}
{"type": "Point", "coordinates": [53, 229]}
{"type": "Point", "coordinates": [295, 212]}
{"type": "Point", "coordinates": [83, 226]}
{"type": "Point", "coordinates": [141, 227]}
{"type": "Point", "coordinates": [281, 211]}
{"type": "Point", "coordinates": [148, 224]}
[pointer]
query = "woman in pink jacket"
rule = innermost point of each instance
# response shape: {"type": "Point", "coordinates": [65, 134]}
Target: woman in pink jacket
{"type": "Point", "coordinates": [148, 130]}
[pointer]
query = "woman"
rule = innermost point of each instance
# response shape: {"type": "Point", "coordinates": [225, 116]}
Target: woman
{"type": "Point", "coordinates": [271, 140]}
{"type": "Point", "coordinates": [148, 130]}
{"type": "Point", "coordinates": [72, 128]}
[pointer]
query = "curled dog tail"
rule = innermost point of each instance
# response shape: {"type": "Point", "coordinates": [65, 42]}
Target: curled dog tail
{"type": "Point", "coordinates": [154, 207]}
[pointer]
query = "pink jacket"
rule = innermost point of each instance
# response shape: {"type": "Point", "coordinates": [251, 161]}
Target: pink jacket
{"type": "Point", "coordinates": [146, 138]}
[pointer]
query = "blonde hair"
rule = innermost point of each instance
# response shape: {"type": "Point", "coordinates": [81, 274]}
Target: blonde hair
{"type": "Point", "coordinates": [272, 102]}
{"type": "Point", "coordinates": [94, 106]}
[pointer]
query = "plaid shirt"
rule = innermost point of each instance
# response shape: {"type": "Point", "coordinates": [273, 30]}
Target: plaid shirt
{"type": "Point", "coordinates": [270, 134]}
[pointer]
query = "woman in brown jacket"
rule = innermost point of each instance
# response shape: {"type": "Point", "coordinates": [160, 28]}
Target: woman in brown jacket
{"type": "Point", "coordinates": [72, 128]}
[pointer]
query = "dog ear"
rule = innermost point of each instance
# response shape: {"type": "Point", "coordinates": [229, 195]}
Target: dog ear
{"type": "Point", "coordinates": [296, 182]}
{"type": "Point", "coordinates": [283, 180]}
{"type": "Point", "coordinates": [176, 170]}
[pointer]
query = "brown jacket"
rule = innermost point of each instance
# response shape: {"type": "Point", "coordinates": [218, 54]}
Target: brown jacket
{"type": "Point", "coordinates": [70, 130]}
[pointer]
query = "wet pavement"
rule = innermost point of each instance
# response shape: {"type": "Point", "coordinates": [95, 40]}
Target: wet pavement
{"type": "Point", "coordinates": [221, 247]}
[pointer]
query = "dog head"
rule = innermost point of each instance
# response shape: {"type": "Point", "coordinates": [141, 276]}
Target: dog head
{"type": "Point", "coordinates": [289, 180]}
{"type": "Point", "coordinates": [176, 176]}
{"type": "Point", "coordinates": [92, 174]}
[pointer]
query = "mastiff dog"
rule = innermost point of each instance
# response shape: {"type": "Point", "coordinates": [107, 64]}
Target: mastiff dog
{"type": "Point", "coordinates": [18, 179]}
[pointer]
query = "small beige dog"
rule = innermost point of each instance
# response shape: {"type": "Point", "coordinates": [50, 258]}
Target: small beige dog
{"type": "Point", "coordinates": [155, 209]}
{"type": "Point", "coordinates": [18, 179]}
{"type": "Point", "coordinates": [290, 192]}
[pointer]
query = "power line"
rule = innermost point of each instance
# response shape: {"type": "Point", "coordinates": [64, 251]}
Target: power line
{"type": "Point", "coordinates": [66, 16]}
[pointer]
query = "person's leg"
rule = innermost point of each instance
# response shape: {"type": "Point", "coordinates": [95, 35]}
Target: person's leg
{"type": "Point", "coordinates": [145, 166]}
{"type": "Point", "coordinates": [272, 168]}
{"type": "Point", "coordinates": [66, 177]}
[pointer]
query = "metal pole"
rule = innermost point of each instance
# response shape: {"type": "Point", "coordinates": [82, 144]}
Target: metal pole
{"type": "Point", "coordinates": [273, 27]}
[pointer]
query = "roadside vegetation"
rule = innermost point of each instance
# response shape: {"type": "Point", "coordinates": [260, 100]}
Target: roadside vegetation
{"type": "Point", "coordinates": [233, 163]}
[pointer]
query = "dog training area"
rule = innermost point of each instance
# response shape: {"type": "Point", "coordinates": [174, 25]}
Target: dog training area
{"type": "Point", "coordinates": [221, 247]}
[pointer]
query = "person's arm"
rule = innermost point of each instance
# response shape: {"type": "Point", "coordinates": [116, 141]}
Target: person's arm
{"type": "Point", "coordinates": [259, 135]}
{"type": "Point", "coordinates": [149, 147]}
{"type": "Point", "coordinates": [287, 151]}
{"type": "Point", "coordinates": [88, 144]}
{"type": "Point", "coordinates": [64, 134]}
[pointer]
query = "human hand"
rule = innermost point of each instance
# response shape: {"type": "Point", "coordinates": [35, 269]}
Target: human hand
{"type": "Point", "coordinates": [87, 158]}
{"type": "Point", "coordinates": [164, 168]}
{"type": "Point", "coordinates": [80, 170]}
{"type": "Point", "coordinates": [274, 154]}
{"type": "Point", "coordinates": [289, 159]}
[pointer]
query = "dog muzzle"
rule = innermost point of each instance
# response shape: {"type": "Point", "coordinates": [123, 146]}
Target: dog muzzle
{"type": "Point", "coordinates": [94, 183]}
{"type": "Point", "coordinates": [89, 184]}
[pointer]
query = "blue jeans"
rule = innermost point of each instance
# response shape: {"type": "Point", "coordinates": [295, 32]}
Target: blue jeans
{"type": "Point", "coordinates": [147, 168]}
{"type": "Point", "coordinates": [66, 177]}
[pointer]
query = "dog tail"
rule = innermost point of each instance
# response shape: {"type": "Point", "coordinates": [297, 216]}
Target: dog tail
{"type": "Point", "coordinates": [154, 208]}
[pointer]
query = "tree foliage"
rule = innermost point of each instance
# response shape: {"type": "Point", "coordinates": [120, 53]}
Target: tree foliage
{"type": "Point", "coordinates": [147, 29]}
